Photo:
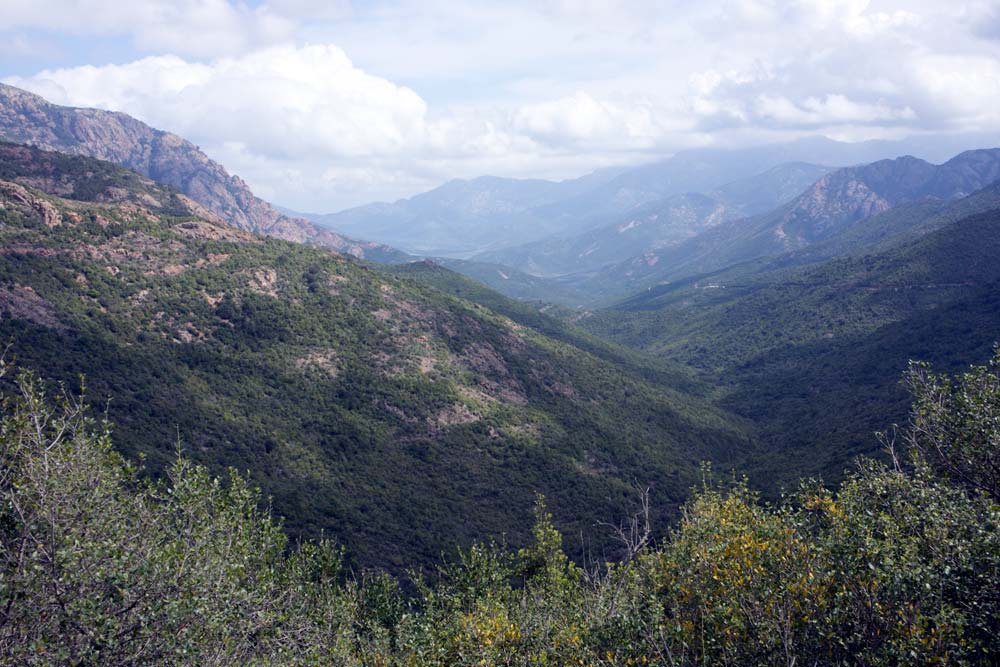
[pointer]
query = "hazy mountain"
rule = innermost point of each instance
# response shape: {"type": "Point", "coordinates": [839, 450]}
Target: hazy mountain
{"type": "Point", "coordinates": [464, 216]}
{"type": "Point", "coordinates": [902, 222]}
{"type": "Point", "coordinates": [707, 169]}
{"type": "Point", "coordinates": [395, 417]}
{"type": "Point", "coordinates": [165, 158]}
{"type": "Point", "coordinates": [660, 223]}
{"type": "Point", "coordinates": [833, 204]}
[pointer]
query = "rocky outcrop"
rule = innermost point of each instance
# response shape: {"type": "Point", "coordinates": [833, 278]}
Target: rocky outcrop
{"type": "Point", "coordinates": [20, 197]}
{"type": "Point", "coordinates": [848, 195]}
{"type": "Point", "coordinates": [163, 157]}
{"type": "Point", "coordinates": [23, 302]}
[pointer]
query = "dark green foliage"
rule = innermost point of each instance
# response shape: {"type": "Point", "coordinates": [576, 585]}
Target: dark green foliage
{"type": "Point", "coordinates": [812, 355]}
{"type": "Point", "coordinates": [954, 429]}
{"type": "Point", "coordinates": [98, 566]}
{"type": "Point", "coordinates": [533, 315]}
{"type": "Point", "coordinates": [366, 405]}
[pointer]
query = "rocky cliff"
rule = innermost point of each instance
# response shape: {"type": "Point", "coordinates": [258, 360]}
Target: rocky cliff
{"type": "Point", "coordinates": [165, 158]}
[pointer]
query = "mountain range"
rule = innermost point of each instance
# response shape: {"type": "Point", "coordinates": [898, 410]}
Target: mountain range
{"type": "Point", "coordinates": [833, 204]}
{"type": "Point", "coordinates": [467, 216]}
{"type": "Point", "coordinates": [487, 214]}
{"type": "Point", "coordinates": [659, 223]}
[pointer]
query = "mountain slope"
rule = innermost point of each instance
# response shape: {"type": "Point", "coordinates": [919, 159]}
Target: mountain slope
{"type": "Point", "coordinates": [399, 419]}
{"type": "Point", "coordinates": [835, 203]}
{"type": "Point", "coordinates": [660, 223]}
{"type": "Point", "coordinates": [165, 158]}
{"type": "Point", "coordinates": [453, 283]}
{"type": "Point", "coordinates": [464, 216]}
{"type": "Point", "coordinates": [812, 354]}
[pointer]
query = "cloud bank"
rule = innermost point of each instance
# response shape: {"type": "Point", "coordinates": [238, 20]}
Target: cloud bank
{"type": "Point", "coordinates": [324, 105]}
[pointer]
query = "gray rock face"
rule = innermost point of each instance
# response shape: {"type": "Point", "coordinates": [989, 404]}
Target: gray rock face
{"type": "Point", "coordinates": [163, 157]}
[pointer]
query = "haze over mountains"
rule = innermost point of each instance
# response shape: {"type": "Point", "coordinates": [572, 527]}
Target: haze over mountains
{"type": "Point", "coordinates": [830, 206]}
{"type": "Point", "coordinates": [660, 222]}
{"type": "Point", "coordinates": [584, 241]}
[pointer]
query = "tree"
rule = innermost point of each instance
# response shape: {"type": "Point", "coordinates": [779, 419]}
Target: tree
{"type": "Point", "coordinates": [954, 427]}
{"type": "Point", "coordinates": [101, 567]}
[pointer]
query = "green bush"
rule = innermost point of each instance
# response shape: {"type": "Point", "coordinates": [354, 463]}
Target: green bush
{"type": "Point", "coordinates": [900, 566]}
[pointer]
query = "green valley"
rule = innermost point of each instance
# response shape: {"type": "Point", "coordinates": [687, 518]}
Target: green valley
{"type": "Point", "coordinates": [402, 420]}
{"type": "Point", "coordinates": [811, 349]}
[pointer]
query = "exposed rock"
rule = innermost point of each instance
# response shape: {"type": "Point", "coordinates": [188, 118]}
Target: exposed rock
{"type": "Point", "coordinates": [324, 360]}
{"type": "Point", "coordinates": [43, 210]}
{"type": "Point", "coordinates": [264, 281]}
{"type": "Point", "coordinates": [454, 415]}
{"type": "Point", "coordinates": [206, 231]}
{"type": "Point", "coordinates": [22, 302]}
{"type": "Point", "coordinates": [189, 333]}
{"type": "Point", "coordinates": [161, 156]}
{"type": "Point", "coordinates": [484, 358]}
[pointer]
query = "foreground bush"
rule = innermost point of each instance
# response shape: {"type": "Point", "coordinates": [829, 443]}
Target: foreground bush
{"type": "Point", "coordinates": [899, 567]}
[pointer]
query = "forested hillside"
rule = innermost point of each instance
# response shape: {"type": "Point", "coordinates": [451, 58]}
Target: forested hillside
{"type": "Point", "coordinates": [811, 350]}
{"type": "Point", "coordinates": [898, 567]}
{"type": "Point", "coordinates": [402, 420]}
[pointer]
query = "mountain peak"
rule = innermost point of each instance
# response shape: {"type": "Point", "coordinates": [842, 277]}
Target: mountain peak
{"type": "Point", "coordinates": [164, 157]}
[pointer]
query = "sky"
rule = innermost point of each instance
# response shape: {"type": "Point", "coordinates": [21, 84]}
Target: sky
{"type": "Point", "coordinates": [321, 105]}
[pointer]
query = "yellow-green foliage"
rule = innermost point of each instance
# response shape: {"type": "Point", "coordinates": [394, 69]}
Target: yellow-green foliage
{"type": "Point", "coordinates": [102, 568]}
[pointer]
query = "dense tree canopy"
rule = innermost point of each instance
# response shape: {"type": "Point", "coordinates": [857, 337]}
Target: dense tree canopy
{"type": "Point", "coordinates": [901, 565]}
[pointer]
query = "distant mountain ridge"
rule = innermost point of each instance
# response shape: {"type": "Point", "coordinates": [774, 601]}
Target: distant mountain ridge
{"type": "Point", "coordinates": [831, 206]}
{"type": "Point", "coordinates": [483, 217]}
{"type": "Point", "coordinates": [660, 223]}
{"type": "Point", "coordinates": [488, 213]}
{"type": "Point", "coordinates": [165, 158]}
{"type": "Point", "coordinates": [465, 216]}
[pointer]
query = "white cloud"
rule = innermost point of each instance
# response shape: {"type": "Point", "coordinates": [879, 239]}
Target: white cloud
{"type": "Point", "coordinates": [829, 111]}
{"type": "Point", "coordinates": [416, 93]}
{"type": "Point", "coordinates": [963, 89]}
{"type": "Point", "coordinates": [582, 119]}
{"type": "Point", "coordinates": [189, 27]}
{"type": "Point", "coordinates": [281, 101]}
